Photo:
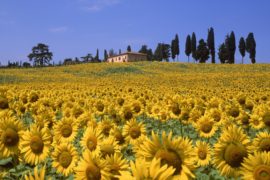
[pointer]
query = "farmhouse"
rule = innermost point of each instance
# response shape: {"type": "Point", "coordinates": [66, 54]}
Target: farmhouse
{"type": "Point", "coordinates": [128, 57]}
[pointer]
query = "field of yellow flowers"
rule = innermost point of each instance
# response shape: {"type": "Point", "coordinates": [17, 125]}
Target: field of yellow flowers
{"type": "Point", "coordinates": [145, 120]}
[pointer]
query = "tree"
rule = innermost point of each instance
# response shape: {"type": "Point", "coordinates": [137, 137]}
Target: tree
{"type": "Point", "coordinates": [111, 53]}
{"type": "Point", "coordinates": [177, 48]}
{"type": "Point", "coordinates": [105, 55]}
{"type": "Point", "coordinates": [158, 52]}
{"type": "Point", "coordinates": [202, 52]}
{"type": "Point", "coordinates": [242, 48]}
{"type": "Point", "coordinates": [26, 64]}
{"type": "Point", "coordinates": [41, 55]}
{"type": "Point", "coordinates": [223, 53]}
{"type": "Point", "coordinates": [251, 47]}
{"type": "Point", "coordinates": [173, 50]}
{"type": "Point", "coordinates": [87, 58]}
{"type": "Point", "coordinates": [97, 56]}
{"type": "Point", "coordinates": [119, 52]}
{"type": "Point", "coordinates": [211, 44]}
{"type": "Point", "coordinates": [166, 52]}
{"type": "Point", "coordinates": [188, 47]}
{"type": "Point", "coordinates": [147, 51]}
{"type": "Point", "coordinates": [193, 46]}
{"type": "Point", "coordinates": [231, 47]}
{"type": "Point", "coordinates": [128, 48]}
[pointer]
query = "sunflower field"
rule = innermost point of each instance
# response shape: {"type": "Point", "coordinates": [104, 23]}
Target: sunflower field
{"type": "Point", "coordinates": [145, 120]}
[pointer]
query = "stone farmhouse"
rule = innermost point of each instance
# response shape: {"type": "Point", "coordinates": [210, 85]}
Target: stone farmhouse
{"type": "Point", "coordinates": [128, 57]}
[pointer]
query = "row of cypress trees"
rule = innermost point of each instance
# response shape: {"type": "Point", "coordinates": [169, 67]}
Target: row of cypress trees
{"type": "Point", "coordinates": [226, 51]}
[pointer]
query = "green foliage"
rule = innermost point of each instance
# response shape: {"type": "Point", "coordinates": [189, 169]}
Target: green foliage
{"type": "Point", "coordinates": [41, 55]}
{"type": "Point", "coordinates": [211, 43]}
{"type": "Point", "coordinates": [251, 47]}
{"type": "Point", "coordinates": [242, 48]}
{"type": "Point", "coordinates": [202, 52]}
{"type": "Point", "coordinates": [129, 48]}
{"type": "Point", "coordinates": [188, 49]}
{"type": "Point", "coordinates": [194, 46]}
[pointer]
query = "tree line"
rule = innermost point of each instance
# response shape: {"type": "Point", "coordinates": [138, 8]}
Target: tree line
{"type": "Point", "coordinates": [201, 52]}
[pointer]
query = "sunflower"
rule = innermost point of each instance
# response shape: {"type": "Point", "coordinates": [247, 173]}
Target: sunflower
{"type": "Point", "coordinates": [65, 130]}
{"type": "Point", "coordinates": [230, 150]}
{"type": "Point", "coordinates": [256, 167]}
{"type": "Point", "coordinates": [3, 103]}
{"type": "Point", "coordinates": [100, 107]}
{"type": "Point", "coordinates": [118, 135]}
{"type": "Point", "coordinates": [37, 175]}
{"type": "Point", "coordinates": [35, 145]}
{"type": "Point", "coordinates": [175, 110]}
{"type": "Point", "coordinates": [137, 108]}
{"type": "Point", "coordinates": [177, 153]}
{"type": "Point", "coordinates": [206, 127]}
{"type": "Point", "coordinates": [217, 115]}
{"type": "Point", "coordinates": [256, 122]}
{"type": "Point", "coordinates": [77, 111]}
{"type": "Point", "coordinates": [203, 152]}
{"type": "Point", "coordinates": [64, 158]}
{"type": "Point", "coordinates": [126, 113]}
{"type": "Point", "coordinates": [108, 146]}
{"type": "Point", "coordinates": [116, 163]}
{"type": "Point", "coordinates": [133, 130]}
{"type": "Point", "coordinates": [91, 139]}
{"type": "Point", "coordinates": [11, 131]}
{"type": "Point", "coordinates": [92, 167]}
{"type": "Point", "coordinates": [142, 170]}
{"type": "Point", "coordinates": [105, 126]}
{"type": "Point", "coordinates": [261, 142]}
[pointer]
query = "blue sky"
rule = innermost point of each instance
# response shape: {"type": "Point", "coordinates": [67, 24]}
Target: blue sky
{"type": "Point", "coordinates": [73, 28]}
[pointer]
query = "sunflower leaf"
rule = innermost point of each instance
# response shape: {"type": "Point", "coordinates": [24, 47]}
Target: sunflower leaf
{"type": "Point", "coordinates": [5, 161]}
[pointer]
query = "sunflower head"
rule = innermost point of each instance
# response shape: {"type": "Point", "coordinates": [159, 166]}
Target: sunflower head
{"type": "Point", "coordinates": [3, 103]}
{"type": "Point", "coordinates": [234, 154]}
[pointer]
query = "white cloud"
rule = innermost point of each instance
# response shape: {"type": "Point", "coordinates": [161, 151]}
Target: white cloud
{"type": "Point", "coordinates": [58, 29]}
{"type": "Point", "coordinates": [97, 5]}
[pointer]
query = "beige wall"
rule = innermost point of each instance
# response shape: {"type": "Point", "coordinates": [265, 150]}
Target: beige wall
{"type": "Point", "coordinates": [127, 58]}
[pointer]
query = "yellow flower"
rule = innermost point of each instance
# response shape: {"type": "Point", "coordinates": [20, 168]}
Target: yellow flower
{"type": "Point", "coordinates": [133, 130]}
{"type": "Point", "coordinates": [206, 127]}
{"type": "Point", "coordinates": [37, 175]}
{"type": "Point", "coordinates": [145, 170]}
{"type": "Point", "coordinates": [230, 150]}
{"type": "Point", "coordinates": [35, 145]}
{"type": "Point", "coordinates": [64, 158]}
{"type": "Point", "coordinates": [256, 167]}
{"type": "Point", "coordinates": [108, 146]}
{"type": "Point", "coordinates": [261, 142]}
{"type": "Point", "coordinates": [91, 139]}
{"type": "Point", "coordinates": [203, 152]}
{"type": "Point", "coordinates": [91, 166]}
{"type": "Point", "coordinates": [11, 131]}
{"type": "Point", "coordinates": [65, 130]}
{"type": "Point", "coordinates": [177, 153]}
{"type": "Point", "coordinates": [116, 163]}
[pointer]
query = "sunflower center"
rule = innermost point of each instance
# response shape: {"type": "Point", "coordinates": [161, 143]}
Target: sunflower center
{"type": "Point", "coordinates": [245, 120]}
{"type": "Point", "coordinates": [65, 159]}
{"type": "Point", "coordinates": [100, 107]}
{"type": "Point", "coordinates": [266, 118]}
{"type": "Point", "coordinates": [92, 143]}
{"type": "Point", "coordinates": [3, 103]}
{"type": "Point", "coordinates": [107, 149]}
{"type": "Point", "coordinates": [175, 109]}
{"type": "Point", "coordinates": [262, 172]}
{"type": "Point", "coordinates": [66, 130]}
{"type": "Point", "coordinates": [234, 154]}
{"type": "Point", "coordinates": [106, 129]}
{"type": "Point", "coordinates": [265, 145]}
{"type": "Point", "coordinates": [234, 112]}
{"type": "Point", "coordinates": [36, 144]}
{"type": "Point", "coordinates": [206, 127]}
{"type": "Point", "coordinates": [92, 172]}
{"type": "Point", "coordinates": [170, 158]}
{"type": "Point", "coordinates": [202, 154]}
{"type": "Point", "coordinates": [216, 117]}
{"type": "Point", "coordinates": [137, 108]}
{"type": "Point", "coordinates": [134, 132]}
{"type": "Point", "coordinates": [118, 136]}
{"type": "Point", "coordinates": [128, 115]}
{"type": "Point", "coordinates": [10, 137]}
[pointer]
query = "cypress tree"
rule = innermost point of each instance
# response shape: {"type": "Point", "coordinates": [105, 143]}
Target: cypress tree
{"type": "Point", "coordinates": [173, 49]}
{"type": "Point", "coordinates": [158, 52]}
{"type": "Point", "coordinates": [251, 47]}
{"type": "Point", "coordinates": [242, 48]}
{"type": "Point", "coordinates": [188, 47]}
{"type": "Point", "coordinates": [97, 56]}
{"type": "Point", "coordinates": [105, 55]}
{"type": "Point", "coordinates": [177, 48]}
{"type": "Point", "coordinates": [211, 43]}
{"type": "Point", "coordinates": [128, 48]}
{"type": "Point", "coordinates": [202, 52]}
{"type": "Point", "coordinates": [223, 53]}
{"type": "Point", "coordinates": [193, 46]}
{"type": "Point", "coordinates": [232, 48]}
